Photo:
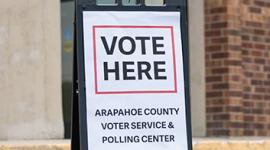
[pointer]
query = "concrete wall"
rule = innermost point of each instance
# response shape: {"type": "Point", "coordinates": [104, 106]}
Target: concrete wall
{"type": "Point", "coordinates": [30, 64]}
{"type": "Point", "coordinates": [197, 66]}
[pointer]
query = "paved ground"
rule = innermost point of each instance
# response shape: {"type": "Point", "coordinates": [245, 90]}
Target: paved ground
{"type": "Point", "coordinates": [35, 145]}
{"type": "Point", "coordinates": [198, 144]}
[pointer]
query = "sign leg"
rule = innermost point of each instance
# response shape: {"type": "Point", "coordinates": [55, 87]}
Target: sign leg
{"type": "Point", "coordinates": [75, 133]}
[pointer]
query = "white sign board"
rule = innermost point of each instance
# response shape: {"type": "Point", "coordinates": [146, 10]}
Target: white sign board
{"type": "Point", "coordinates": [134, 81]}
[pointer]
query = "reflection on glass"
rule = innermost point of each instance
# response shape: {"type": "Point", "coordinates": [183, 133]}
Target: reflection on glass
{"type": "Point", "coordinates": [130, 2]}
{"type": "Point", "coordinates": [106, 2]}
{"type": "Point", "coordinates": [154, 2]}
{"type": "Point", "coordinates": [67, 16]}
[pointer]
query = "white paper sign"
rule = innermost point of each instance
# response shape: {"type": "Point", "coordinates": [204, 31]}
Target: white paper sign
{"type": "Point", "coordinates": [134, 81]}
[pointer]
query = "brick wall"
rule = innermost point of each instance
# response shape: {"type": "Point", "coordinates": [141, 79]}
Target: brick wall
{"type": "Point", "coordinates": [237, 38]}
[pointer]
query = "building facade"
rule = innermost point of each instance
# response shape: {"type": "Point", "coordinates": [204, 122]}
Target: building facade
{"type": "Point", "coordinates": [229, 67]}
{"type": "Point", "coordinates": [237, 67]}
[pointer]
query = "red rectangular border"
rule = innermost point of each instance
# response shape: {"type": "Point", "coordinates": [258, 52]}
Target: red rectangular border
{"type": "Point", "coordinates": [134, 92]}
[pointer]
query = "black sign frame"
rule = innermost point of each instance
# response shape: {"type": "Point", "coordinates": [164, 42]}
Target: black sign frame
{"type": "Point", "coordinates": [79, 119]}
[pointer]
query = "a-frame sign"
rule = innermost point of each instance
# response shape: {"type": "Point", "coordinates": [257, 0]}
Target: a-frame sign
{"type": "Point", "coordinates": [131, 81]}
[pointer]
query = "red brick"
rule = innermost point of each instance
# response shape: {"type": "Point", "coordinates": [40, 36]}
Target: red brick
{"type": "Point", "coordinates": [213, 94]}
{"type": "Point", "coordinates": [218, 10]}
{"type": "Point", "coordinates": [255, 10]}
{"type": "Point", "coordinates": [238, 68]}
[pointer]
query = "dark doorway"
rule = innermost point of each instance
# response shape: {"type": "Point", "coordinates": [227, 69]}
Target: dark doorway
{"type": "Point", "coordinates": [67, 14]}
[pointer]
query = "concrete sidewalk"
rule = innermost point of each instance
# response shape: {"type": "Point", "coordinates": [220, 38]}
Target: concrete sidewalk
{"type": "Point", "coordinates": [198, 144]}
{"type": "Point", "coordinates": [35, 145]}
